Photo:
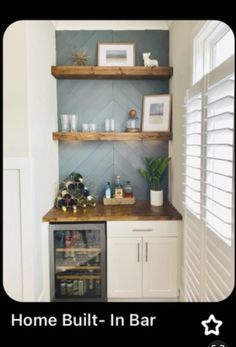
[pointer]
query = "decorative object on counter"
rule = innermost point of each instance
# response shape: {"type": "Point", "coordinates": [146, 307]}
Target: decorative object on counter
{"type": "Point", "coordinates": [73, 193]}
{"type": "Point", "coordinates": [133, 123]}
{"type": "Point", "coordinates": [156, 112]}
{"type": "Point", "coordinates": [80, 57]}
{"type": "Point", "coordinates": [149, 62]}
{"type": "Point", "coordinates": [121, 196]}
{"type": "Point", "coordinates": [116, 54]}
{"type": "Point", "coordinates": [154, 173]}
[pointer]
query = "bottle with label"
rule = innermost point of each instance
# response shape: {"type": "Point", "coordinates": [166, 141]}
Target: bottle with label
{"type": "Point", "coordinates": [118, 188]}
{"type": "Point", "coordinates": [108, 191]}
{"type": "Point", "coordinates": [128, 190]}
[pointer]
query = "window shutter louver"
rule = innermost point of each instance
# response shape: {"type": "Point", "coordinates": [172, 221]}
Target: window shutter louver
{"type": "Point", "coordinates": [209, 185]}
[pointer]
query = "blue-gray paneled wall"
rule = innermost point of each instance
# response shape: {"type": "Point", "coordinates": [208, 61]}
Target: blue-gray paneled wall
{"type": "Point", "coordinates": [97, 100]}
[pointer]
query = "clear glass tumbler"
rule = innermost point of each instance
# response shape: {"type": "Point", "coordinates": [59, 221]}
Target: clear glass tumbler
{"type": "Point", "coordinates": [73, 122]}
{"type": "Point", "coordinates": [92, 127]}
{"type": "Point", "coordinates": [65, 122]}
{"type": "Point", "coordinates": [85, 127]}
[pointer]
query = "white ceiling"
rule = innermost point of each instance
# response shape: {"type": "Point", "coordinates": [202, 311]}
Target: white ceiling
{"type": "Point", "coordinates": [112, 24]}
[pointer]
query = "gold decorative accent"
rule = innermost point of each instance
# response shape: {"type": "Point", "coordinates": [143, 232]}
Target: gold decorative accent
{"type": "Point", "coordinates": [80, 57]}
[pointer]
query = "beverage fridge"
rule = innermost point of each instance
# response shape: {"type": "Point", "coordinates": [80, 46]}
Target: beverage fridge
{"type": "Point", "coordinates": [78, 261]}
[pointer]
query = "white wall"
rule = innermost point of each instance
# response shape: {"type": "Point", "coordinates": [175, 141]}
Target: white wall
{"type": "Point", "coordinates": [40, 120]}
{"type": "Point", "coordinates": [42, 110]}
{"type": "Point", "coordinates": [112, 25]}
{"type": "Point", "coordinates": [15, 123]}
{"type": "Point", "coordinates": [180, 59]}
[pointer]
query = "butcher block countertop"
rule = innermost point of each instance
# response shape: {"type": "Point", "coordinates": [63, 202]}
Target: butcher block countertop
{"type": "Point", "coordinates": [139, 211]}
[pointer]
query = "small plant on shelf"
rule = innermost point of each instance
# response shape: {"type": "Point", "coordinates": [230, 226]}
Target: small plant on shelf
{"type": "Point", "coordinates": [154, 174]}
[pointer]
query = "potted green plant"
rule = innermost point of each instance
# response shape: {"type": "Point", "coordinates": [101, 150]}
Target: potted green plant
{"type": "Point", "coordinates": [154, 173]}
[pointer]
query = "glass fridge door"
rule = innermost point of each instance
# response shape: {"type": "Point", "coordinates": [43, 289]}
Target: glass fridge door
{"type": "Point", "coordinates": [79, 262]}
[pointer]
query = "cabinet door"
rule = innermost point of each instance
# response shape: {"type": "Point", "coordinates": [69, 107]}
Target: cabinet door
{"type": "Point", "coordinates": [160, 267]}
{"type": "Point", "coordinates": [124, 265]}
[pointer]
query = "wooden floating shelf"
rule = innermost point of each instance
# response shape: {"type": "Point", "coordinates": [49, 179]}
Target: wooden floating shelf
{"type": "Point", "coordinates": [103, 72]}
{"type": "Point", "coordinates": [112, 136]}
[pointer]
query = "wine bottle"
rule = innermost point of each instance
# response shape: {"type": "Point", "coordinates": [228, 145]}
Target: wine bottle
{"type": "Point", "coordinates": [70, 185]}
{"type": "Point", "coordinates": [60, 202]}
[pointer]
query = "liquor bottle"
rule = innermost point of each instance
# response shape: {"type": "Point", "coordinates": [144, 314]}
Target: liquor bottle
{"type": "Point", "coordinates": [128, 190]}
{"type": "Point", "coordinates": [118, 188]}
{"type": "Point", "coordinates": [108, 191]}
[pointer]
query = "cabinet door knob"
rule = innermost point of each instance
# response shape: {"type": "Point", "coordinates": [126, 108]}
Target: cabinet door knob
{"type": "Point", "coordinates": [146, 251]}
{"type": "Point", "coordinates": [142, 229]}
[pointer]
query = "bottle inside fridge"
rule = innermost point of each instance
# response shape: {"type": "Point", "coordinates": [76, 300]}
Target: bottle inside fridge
{"type": "Point", "coordinates": [78, 270]}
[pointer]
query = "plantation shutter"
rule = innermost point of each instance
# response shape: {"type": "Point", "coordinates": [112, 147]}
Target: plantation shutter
{"type": "Point", "coordinates": [193, 178]}
{"type": "Point", "coordinates": [209, 186]}
{"type": "Point", "coordinates": [218, 184]}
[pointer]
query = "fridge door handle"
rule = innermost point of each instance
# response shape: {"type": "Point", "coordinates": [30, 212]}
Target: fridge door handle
{"type": "Point", "coordinates": [138, 252]}
{"type": "Point", "coordinates": [146, 251]}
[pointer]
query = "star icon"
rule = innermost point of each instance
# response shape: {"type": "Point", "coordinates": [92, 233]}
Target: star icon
{"type": "Point", "coordinates": [211, 319]}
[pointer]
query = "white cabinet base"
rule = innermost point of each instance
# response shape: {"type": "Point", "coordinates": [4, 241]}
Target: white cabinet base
{"type": "Point", "coordinates": [143, 261]}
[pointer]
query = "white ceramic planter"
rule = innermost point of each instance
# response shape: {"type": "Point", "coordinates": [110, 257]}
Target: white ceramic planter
{"type": "Point", "coordinates": [156, 197]}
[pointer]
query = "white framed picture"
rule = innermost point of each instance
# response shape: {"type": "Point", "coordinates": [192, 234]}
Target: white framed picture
{"type": "Point", "coordinates": [156, 112]}
{"type": "Point", "coordinates": [116, 54]}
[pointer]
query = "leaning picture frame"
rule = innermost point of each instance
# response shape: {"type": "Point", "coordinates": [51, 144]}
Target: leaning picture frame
{"type": "Point", "coordinates": [156, 112]}
{"type": "Point", "coordinates": [115, 54]}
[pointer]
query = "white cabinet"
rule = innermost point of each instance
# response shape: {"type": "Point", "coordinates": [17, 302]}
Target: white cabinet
{"type": "Point", "coordinates": [142, 259]}
{"type": "Point", "coordinates": [160, 267]}
{"type": "Point", "coordinates": [124, 263]}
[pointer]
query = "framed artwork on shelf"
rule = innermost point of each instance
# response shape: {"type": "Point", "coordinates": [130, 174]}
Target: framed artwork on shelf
{"type": "Point", "coordinates": [156, 112]}
{"type": "Point", "coordinates": [116, 54]}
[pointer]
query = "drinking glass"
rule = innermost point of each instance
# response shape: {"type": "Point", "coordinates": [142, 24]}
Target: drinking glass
{"type": "Point", "coordinates": [107, 125]}
{"type": "Point", "coordinates": [85, 127]}
{"type": "Point", "coordinates": [112, 125]}
{"type": "Point", "coordinates": [73, 122]}
{"type": "Point", "coordinates": [65, 122]}
{"type": "Point", "coordinates": [92, 127]}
